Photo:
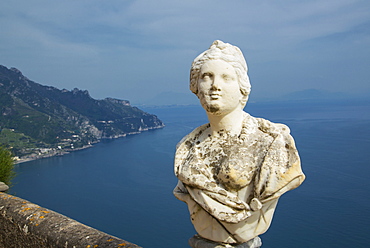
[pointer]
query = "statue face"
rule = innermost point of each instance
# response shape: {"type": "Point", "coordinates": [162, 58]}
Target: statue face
{"type": "Point", "coordinates": [218, 87]}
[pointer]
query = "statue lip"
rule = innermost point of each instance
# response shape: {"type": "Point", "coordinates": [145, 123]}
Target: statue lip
{"type": "Point", "coordinates": [215, 95]}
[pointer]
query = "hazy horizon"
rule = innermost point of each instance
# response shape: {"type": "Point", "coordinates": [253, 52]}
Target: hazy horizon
{"type": "Point", "coordinates": [137, 49]}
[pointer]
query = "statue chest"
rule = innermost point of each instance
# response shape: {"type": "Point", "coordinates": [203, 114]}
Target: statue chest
{"type": "Point", "coordinates": [230, 163]}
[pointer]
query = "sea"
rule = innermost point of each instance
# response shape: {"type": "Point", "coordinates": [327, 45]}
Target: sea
{"type": "Point", "coordinates": [124, 186]}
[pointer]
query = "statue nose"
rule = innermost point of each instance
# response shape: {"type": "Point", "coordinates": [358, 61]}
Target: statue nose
{"type": "Point", "coordinates": [215, 84]}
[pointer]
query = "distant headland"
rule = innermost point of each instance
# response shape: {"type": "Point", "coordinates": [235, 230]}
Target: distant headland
{"type": "Point", "coordinates": [39, 121]}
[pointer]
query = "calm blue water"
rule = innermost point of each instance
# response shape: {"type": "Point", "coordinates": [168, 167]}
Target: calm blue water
{"type": "Point", "coordinates": [124, 186]}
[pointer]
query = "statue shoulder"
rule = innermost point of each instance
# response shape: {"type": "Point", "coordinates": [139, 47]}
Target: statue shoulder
{"type": "Point", "coordinates": [185, 144]}
{"type": "Point", "coordinates": [270, 127]}
{"type": "Point", "coordinates": [193, 135]}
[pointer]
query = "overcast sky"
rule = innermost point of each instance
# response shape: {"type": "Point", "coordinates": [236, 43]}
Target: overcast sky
{"type": "Point", "coordinates": [136, 49]}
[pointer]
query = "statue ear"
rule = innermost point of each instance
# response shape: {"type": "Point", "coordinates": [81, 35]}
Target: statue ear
{"type": "Point", "coordinates": [244, 100]}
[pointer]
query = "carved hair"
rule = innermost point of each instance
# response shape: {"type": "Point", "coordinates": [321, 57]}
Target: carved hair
{"type": "Point", "coordinates": [228, 53]}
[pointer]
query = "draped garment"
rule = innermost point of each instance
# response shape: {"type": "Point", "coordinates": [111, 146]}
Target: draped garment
{"type": "Point", "coordinates": [232, 184]}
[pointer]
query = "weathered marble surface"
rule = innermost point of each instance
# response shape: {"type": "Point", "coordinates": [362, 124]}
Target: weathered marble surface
{"type": "Point", "coordinates": [232, 170]}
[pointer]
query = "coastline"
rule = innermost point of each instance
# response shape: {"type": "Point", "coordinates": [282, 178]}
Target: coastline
{"type": "Point", "coordinates": [53, 152]}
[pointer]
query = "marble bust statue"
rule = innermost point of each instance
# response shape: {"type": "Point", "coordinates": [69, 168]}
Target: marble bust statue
{"type": "Point", "coordinates": [232, 170]}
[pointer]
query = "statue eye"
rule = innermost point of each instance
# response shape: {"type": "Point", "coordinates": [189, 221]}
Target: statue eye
{"type": "Point", "coordinates": [227, 77]}
{"type": "Point", "coordinates": [206, 75]}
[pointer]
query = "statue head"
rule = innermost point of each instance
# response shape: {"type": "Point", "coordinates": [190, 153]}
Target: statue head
{"type": "Point", "coordinates": [231, 55]}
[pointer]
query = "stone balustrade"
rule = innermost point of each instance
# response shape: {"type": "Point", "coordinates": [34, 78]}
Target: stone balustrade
{"type": "Point", "coordinates": [24, 224]}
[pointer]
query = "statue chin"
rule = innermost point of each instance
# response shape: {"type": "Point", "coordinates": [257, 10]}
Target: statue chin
{"type": "Point", "coordinates": [213, 108]}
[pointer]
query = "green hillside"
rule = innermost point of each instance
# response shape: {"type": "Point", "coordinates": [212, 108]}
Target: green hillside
{"type": "Point", "coordinates": [43, 120]}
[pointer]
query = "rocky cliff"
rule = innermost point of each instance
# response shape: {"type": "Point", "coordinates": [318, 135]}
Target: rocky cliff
{"type": "Point", "coordinates": [38, 120]}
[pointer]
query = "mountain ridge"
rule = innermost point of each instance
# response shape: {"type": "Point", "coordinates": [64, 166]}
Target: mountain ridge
{"type": "Point", "coordinates": [61, 120]}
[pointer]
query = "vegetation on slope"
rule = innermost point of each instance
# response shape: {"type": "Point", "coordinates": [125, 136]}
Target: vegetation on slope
{"type": "Point", "coordinates": [6, 166]}
{"type": "Point", "coordinates": [37, 119]}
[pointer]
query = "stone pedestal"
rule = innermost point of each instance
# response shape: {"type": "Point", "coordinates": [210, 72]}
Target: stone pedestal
{"type": "Point", "coordinates": [198, 242]}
